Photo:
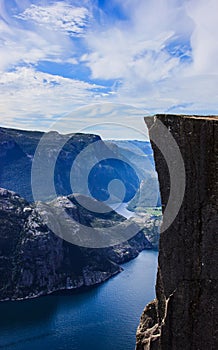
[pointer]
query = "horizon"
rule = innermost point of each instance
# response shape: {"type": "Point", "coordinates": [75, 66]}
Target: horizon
{"type": "Point", "coordinates": [107, 131]}
{"type": "Point", "coordinates": [88, 133]}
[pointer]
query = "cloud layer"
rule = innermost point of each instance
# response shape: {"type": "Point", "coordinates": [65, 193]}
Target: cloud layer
{"type": "Point", "coordinates": [58, 16]}
{"type": "Point", "coordinates": [157, 56]}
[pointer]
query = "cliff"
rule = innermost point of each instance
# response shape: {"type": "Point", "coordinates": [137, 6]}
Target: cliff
{"type": "Point", "coordinates": [184, 313]}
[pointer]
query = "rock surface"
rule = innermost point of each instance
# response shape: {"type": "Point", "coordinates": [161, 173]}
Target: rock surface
{"type": "Point", "coordinates": [34, 261]}
{"type": "Point", "coordinates": [184, 314]}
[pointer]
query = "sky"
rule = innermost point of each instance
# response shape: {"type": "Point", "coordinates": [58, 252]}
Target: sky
{"type": "Point", "coordinates": [101, 65]}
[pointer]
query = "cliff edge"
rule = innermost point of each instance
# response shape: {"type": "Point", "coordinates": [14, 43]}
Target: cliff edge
{"type": "Point", "coordinates": [184, 313]}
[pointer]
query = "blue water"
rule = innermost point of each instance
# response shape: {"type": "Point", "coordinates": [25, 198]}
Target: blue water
{"type": "Point", "coordinates": [102, 318]}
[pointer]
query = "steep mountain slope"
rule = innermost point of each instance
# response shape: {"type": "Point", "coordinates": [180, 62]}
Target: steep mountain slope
{"type": "Point", "coordinates": [185, 313]}
{"type": "Point", "coordinates": [34, 261]}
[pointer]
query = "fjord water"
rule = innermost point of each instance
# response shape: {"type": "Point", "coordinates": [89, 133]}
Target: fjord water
{"type": "Point", "coordinates": [101, 318]}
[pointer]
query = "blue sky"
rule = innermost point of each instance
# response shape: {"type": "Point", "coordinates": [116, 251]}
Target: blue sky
{"type": "Point", "coordinates": [60, 60]}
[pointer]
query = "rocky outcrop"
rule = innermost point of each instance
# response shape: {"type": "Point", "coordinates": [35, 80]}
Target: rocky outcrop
{"type": "Point", "coordinates": [34, 261]}
{"type": "Point", "coordinates": [184, 314]}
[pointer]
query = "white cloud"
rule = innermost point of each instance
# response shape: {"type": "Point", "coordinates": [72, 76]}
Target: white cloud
{"type": "Point", "coordinates": [59, 16]}
{"type": "Point", "coordinates": [204, 39]}
{"type": "Point", "coordinates": [124, 56]}
{"type": "Point", "coordinates": [24, 42]}
{"type": "Point", "coordinates": [33, 98]}
{"type": "Point", "coordinates": [146, 54]}
{"type": "Point", "coordinates": [135, 49]}
{"type": "Point", "coordinates": [110, 120]}
{"type": "Point", "coordinates": [28, 47]}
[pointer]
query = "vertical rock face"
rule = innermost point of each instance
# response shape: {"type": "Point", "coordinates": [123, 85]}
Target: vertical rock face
{"type": "Point", "coordinates": [184, 314]}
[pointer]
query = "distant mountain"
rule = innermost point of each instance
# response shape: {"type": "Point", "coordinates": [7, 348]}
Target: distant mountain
{"type": "Point", "coordinates": [17, 149]}
{"type": "Point", "coordinates": [140, 155]}
{"type": "Point", "coordinates": [136, 146]}
{"type": "Point", "coordinates": [136, 150]}
{"type": "Point", "coordinates": [34, 261]}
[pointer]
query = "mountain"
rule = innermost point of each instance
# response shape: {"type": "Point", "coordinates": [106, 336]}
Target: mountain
{"type": "Point", "coordinates": [129, 163]}
{"type": "Point", "coordinates": [140, 148]}
{"type": "Point", "coordinates": [34, 261]}
{"type": "Point", "coordinates": [140, 155]}
{"type": "Point", "coordinates": [17, 149]}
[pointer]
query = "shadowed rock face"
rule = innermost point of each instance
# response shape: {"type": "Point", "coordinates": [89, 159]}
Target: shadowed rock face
{"type": "Point", "coordinates": [184, 315]}
{"type": "Point", "coordinates": [34, 261]}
